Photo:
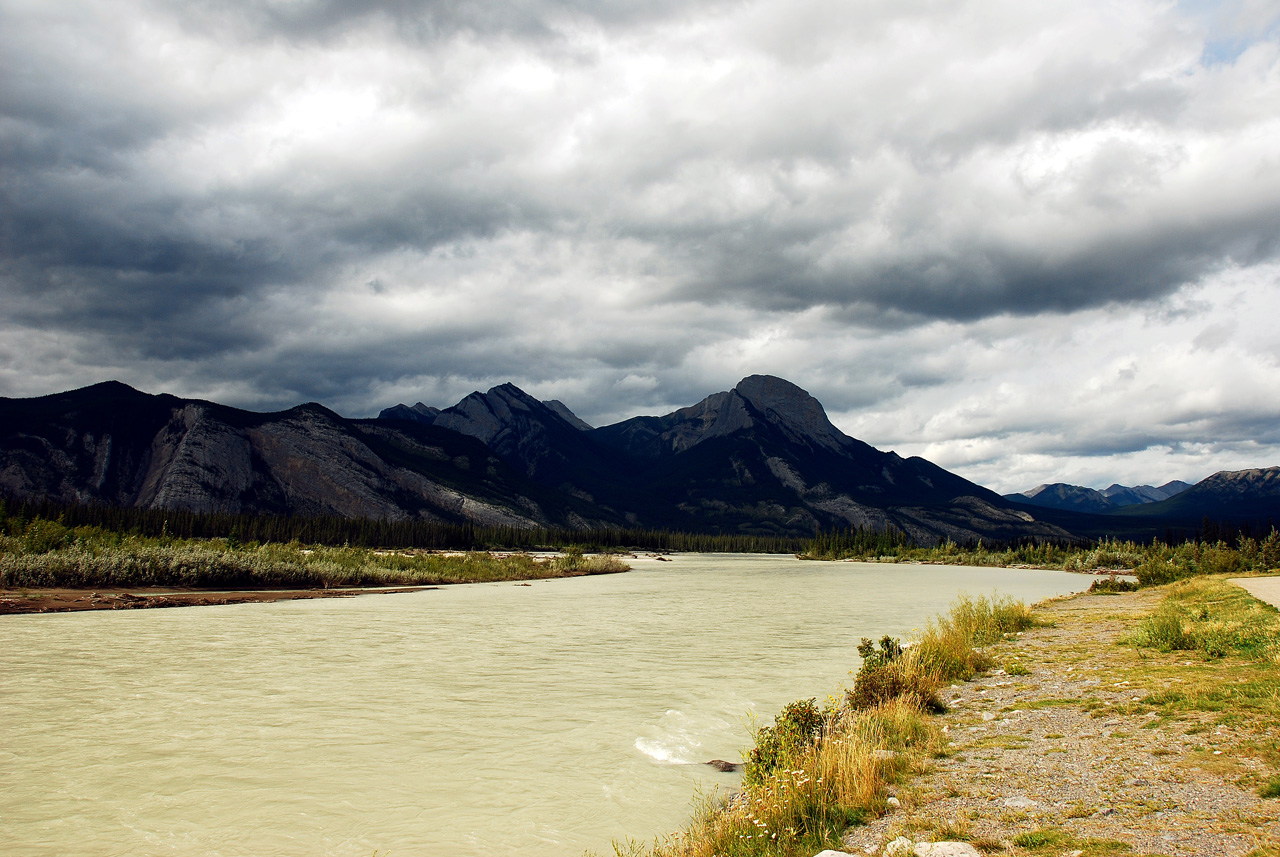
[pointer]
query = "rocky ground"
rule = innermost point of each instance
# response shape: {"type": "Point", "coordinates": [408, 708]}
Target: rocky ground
{"type": "Point", "coordinates": [1069, 749]}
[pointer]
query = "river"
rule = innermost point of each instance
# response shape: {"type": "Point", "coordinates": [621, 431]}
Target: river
{"type": "Point", "coordinates": [492, 719]}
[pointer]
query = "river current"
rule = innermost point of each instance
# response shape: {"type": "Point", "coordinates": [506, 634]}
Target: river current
{"type": "Point", "coordinates": [487, 719]}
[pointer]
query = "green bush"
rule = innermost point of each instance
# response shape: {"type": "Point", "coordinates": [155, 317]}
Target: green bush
{"type": "Point", "coordinates": [797, 727]}
{"type": "Point", "coordinates": [1107, 586]}
{"type": "Point", "coordinates": [41, 536]}
{"type": "Point", "coordinates": [1156, 570]}
{"type": "Point", "coordinates": [1164, 631]}
{"type": "Point", "coordinates": [878, 684]}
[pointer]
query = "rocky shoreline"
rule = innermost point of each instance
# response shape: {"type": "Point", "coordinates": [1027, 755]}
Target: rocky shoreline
{"type": "Point", "coordinates": [1068, 750]}
{"type": "Point", "coordinates": [63, 600]}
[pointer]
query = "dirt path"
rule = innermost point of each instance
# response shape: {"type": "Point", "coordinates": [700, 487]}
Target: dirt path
{"type": "Point", "coordinates": [1079, 747]}
{"type": "Point", "coordinates": [1262, 588]}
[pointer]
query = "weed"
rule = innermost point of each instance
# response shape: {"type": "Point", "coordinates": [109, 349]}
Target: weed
{"type": "Point", "coordinates": [1037, 838]}
{"type": "Point", "coordinates": [1271, 788]}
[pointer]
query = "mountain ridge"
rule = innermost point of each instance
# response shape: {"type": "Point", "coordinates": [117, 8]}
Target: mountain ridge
{"type": "Point", "coordinates": [761, 458]}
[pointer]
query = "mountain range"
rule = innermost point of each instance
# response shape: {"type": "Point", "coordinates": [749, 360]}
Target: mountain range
{"type": "Point", "coordinates": [761, 458]}
{"type": "Point", "coordinates": [1076, 498]}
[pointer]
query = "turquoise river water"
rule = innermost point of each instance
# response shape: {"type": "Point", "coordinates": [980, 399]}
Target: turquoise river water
{"type": "Point", "coordinates": [487, 719]}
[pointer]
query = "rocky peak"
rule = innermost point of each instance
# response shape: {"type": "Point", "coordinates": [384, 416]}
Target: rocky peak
{"type": "Point", "coordinates": [562, 411]}
{"type": "Point", "coordinates": [418, 413]}
{"type": "Point", "coordinates": [792, 407]}
{"type": "Point", "coordinates": [1263, 481]}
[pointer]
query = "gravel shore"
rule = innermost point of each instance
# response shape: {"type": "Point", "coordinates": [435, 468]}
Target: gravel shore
{"type": "Point", "coordinates": [1082, 744]}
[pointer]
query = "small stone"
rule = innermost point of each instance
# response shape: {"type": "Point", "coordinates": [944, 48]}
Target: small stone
{"type": "Point", "coordinates": [884, 755]}
{"type": "Point", "coordinates": [1077, 853]}
{"type": "Point", "coordinates": [946, 849]}
{"type": "Point", "coordinates": [900, 847]}
{"type": "Point", "coordinates": [830, 853]}
{"type": "Point", "coordinates": [893, 802]}
{"type": "Point", "coordinates": [1020, 802]}
{"type": "Point", "coordinates": [987, 715]}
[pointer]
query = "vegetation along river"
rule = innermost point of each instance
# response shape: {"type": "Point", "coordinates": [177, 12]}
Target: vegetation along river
{"type": "Point", "coordinates": [538, 719]}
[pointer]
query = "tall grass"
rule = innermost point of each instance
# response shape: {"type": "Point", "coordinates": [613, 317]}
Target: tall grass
{"type": "Point", "coordinates": [1214, 618]}
{"type": "Point", "coordinates": [805, 806]}
{"type": "Point", "coordinates": [812, 774]}
{"type": "Point", "coordinates": [45, 554]}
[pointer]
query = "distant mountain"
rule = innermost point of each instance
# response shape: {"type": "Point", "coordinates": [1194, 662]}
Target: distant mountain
{"type": "Point", "coordinates": [1075, 498]}
{"type": "Point", "coordinates": [1239, 495]}
{"type": "Point", "coordinates": [1119, 495]}
{"type": "Point", "coordinates": [418, 413]}
{"type": "Point", "coordinates": [110, 443]}
{"type": "Point", "coordinates": [1059, 495]}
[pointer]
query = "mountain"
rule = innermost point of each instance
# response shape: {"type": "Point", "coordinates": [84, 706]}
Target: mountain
{"type": "Point", "coordinates": [1239, 496]}
{"type": "Point", "coordinates": [763, 457]}
{"type": "Point", "coordinates": [112, 444]}
{"type": "Point", "coordinates": [760, 458]}
{"type": "Point", "coordinates": [1119, 495]}
{"type": "Point", "coordinates": [544, 442]}
{"type": "Point", "coordinates": [1076, 498]}
{"type": "Point", "coordinates": [418, 413]}
{"type": "Point", "coordinates": [1059, 495]}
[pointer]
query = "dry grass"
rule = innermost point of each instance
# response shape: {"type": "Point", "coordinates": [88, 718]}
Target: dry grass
{"type": "Point", "coordinates": [801, 796]}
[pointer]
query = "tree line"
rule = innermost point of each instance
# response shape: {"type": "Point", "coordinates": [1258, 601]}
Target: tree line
{"type": "Point", "coordinates": [369, 532]}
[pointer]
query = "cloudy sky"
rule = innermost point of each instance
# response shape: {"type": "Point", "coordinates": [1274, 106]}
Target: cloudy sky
{"type": "Point", "coordinates": [1029, 241]}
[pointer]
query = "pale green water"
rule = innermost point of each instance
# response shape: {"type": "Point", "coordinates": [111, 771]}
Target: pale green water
{"type": "Point", "coordinates": [486, 719]}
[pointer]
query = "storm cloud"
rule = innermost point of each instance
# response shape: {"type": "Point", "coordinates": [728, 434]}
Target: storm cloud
{"type": "Point", "coordinates": [1032, 243]}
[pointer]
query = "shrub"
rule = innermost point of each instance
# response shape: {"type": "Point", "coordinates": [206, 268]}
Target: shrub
{"type": "Point", "coordinates": [1163, 630]}
{"type": "Point", "coordinates": [899, 680]}
{"type": "Point", "coordinates": [796, 728]}
{"type": "Point", "coordinates": [41, 536]}
{"type": "Point", "coordinates": [1155, 570]}
{"type": "Point", "coordinates": [1110, 585]}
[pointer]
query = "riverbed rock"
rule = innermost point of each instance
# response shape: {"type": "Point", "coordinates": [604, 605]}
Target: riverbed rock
{"type": "Point", "coordinates": [946, 849]}
{"type": "Point", "coordinates": [725, 767]}
{"type": "Point", "coordinates": [900, 847]}
{"type": "Point", "coordinates": [830, 853]}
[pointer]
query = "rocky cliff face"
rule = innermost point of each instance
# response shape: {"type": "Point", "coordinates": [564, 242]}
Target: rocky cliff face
{"type": "Point", "coordinates": [113, 444]}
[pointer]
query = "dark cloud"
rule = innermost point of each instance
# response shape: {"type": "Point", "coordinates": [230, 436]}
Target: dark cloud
{"type": "Point", "coordinates": [633, 204]}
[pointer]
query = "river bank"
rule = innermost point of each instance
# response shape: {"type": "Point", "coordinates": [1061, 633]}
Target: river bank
{"type": "Point", "coordinates": [1084, 742]}
{"type": "Point", "coordinates": [62, 600]}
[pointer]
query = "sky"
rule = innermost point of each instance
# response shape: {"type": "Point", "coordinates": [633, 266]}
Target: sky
{"type": "Point", "coordinates": [1031, 242]}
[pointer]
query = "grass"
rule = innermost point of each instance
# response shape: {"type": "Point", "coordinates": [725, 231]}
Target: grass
{"type": "Point", "coordinates": [814, 773]}
{"type": "Point", "coordinates": [1051, 840]}
{"type": "Point", "coordinates": [48, 555]}
{"type": "Point", "coordinates": [1214, 618]}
